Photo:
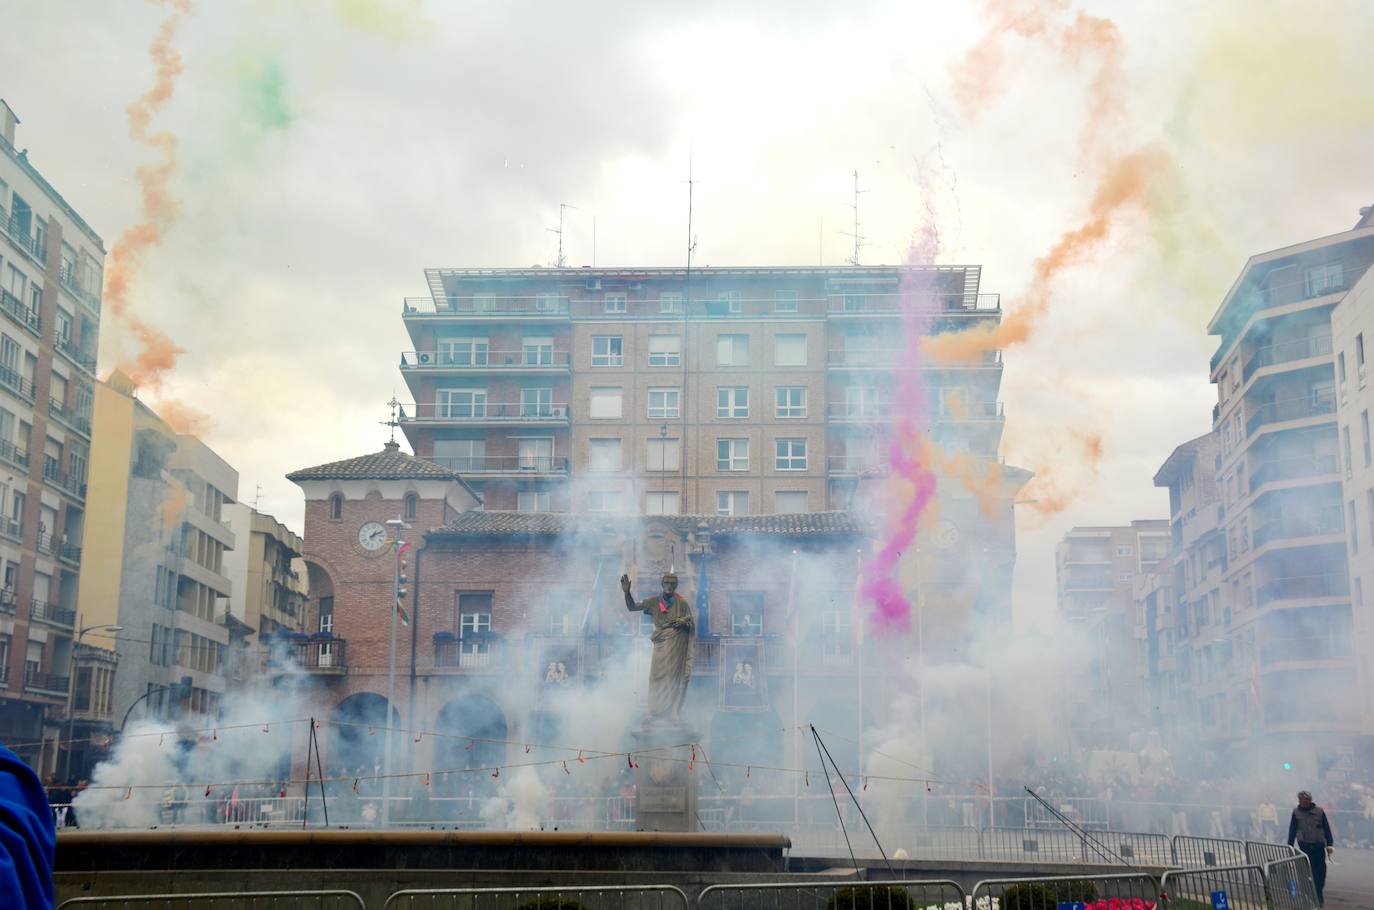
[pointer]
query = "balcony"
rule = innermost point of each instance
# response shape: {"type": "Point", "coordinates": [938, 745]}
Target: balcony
{"type": "Point", "coordinates": [45, 683]}
{"type": "Point", "coordinates": [12, 528]}
{"type": "Point", "coordinates": [1088, 583]}
{"type": "Point", "coordinates": [1326, 521]}
{"type": "Point", "coordinates": [483, 361]}
{"type": "Point", "coordinates": [70, 419]}
{"type": "Point", "coordinates": [485, 413]}
{"type": "Point", "coordinates": [19, 233]}
{"type": "Point", "coordinates": [17, 384]}
{"type": "Point", "coordinates": [969, 411]}
{"type": "Point", "coordinates": [483, 652]}
{"type": "Point", "coordinates": [896, 302]}
{"type": "Point", "coordinates": [854, 464]}
{"type": "Point", "coordinates": [859, 411]}
{"type": "Point", "coordinates": [52, 613]}
{"type": "Point", "coordinates": [55, 476]}
{"type": "Point", "coordinates": [13, 454]}
{"type": "Point", "coordinates": [1286, 352]}
{"type": "Point", "coordinates": [324, 657]}
{"type": "Point", "coordinates": [1302, 468]}
{"type": "Point", "coordinates": [502, 464]}
{"type": "Point", "coordinates": [1290, 409]}
{"type": "Point", "coordinates": [9, 605]}
{"type": "Point", "coordinates": [46, 545]}
{"type": "Point", "coordinates": [887, 358]}
{"type": "Point", "coordinates": [487, 306]}
{"type": "Point", "coordinates": [1299, 587]}
{"type": "Point", "coordinates": [16, 310]}
{"type": "Point", "coordinates": [69, 553]}
{"type": "Point", "coordinates": [64, 346]}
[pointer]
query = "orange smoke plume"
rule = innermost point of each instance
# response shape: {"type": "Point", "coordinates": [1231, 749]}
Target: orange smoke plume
{"type": "Point", "coordinates": [1057, 485]}
{"type": "Point", "coordinates": [172, 505]}
{"type": "Point", "coordinates": [182, 418]}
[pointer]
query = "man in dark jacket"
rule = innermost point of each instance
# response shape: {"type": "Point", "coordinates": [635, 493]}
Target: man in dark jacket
{"type": "Point", "coordinates": [1310, 828]}
{"type": "Point", "coordinates": [28, 839]}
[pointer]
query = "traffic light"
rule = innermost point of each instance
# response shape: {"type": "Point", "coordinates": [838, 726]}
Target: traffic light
{"type": "Point", "coordinates": [1288, 766]}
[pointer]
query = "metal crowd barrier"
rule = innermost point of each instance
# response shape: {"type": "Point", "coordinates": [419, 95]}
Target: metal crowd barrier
{"type": "Point", "coordinates": [1242, 884]}
{"type": "Point", "coordinates": [608, 897]}
{"type": "Point", "coordinates": [1290, 885]}
{"type": "Point", "coordinates": [1056, 891]}
{"type": "Point", "coordinates": [1052, 844]}
{"type": "Point", "coordinates": [1259, 853]}
{"type": "Point", "coordinates": [223, 900]}
{"type": "Point", "coordinates": [879, 895]}
{"type": "Point", "coordinates": [1192, 852]}
{"type": "Point", "coordinates": [1132, 847]}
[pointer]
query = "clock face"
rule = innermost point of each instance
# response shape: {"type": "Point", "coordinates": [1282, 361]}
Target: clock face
{"type": "Point", "coordinates": [372, 536]}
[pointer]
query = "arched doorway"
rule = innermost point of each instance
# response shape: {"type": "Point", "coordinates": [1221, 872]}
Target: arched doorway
{"type": "Point", "coordinates": [358, 740]}
{"type": "Point", "coordinates": [472, 733]}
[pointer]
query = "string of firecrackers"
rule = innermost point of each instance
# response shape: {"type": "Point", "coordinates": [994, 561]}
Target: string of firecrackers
{"type": "Point", "coordinates": [106, 740]}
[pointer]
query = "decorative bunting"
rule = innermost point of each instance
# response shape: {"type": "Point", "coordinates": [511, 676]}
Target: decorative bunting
{"type": "Point", "coordinates": [748, 772]}
{"type": "Point", "coordinates": [160, 738]}
{"type": "Point", "coordinates": [806, 778]}
{"type": "Point", "coordinates": [207, 791]}
{"type": "Point", "coordinates": [419, 736]}
{"type": "Point", "coordinates": [469, 746]}
{"type": "Point", "coordinates": [266, 728]}
{"type": "Point", "coordinates": [371, 731]}
{"type": "Point", "coordinates": [128, 794]}
{"type": "Point", "coordinates": [496, 774]}
{"type": "Point", "coordinates": [565, 768]}
{"type": "Point", "coordinates": [580, 759]}
{"type": "Point", "coordinates": [425, 782]}
{"type": "Point", "coordinates": [355, 786]}
{"type": "Point", "coordinates": [527, 748]}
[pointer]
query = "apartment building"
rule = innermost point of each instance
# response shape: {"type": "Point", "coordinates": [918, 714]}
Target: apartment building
{"type": "Point", "coordinates": [1095, 573]}
{"type": "Point", "coordinates": [1289, 513]}
{"type": "Point", "coordinates": [51, 264]}
{"type": "Point", "coordinates": [155, 559]}
{"type": "Point", "coordinates": [268, 580]}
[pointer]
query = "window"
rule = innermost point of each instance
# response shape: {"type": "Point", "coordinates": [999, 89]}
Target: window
{"type": "Point", "coordinates": [534, 453]}
{"type": "Point", "coordinates": [838, 644]}
{"type": "Point", "coordinates": [606, 403]}
{"type": "Point", "coordinates": [461, 403]}
{"type": "Point", "coordinates": [474, 630]}
{"type": "Point", "coordinates": [1359, 356]}
{"type": "Point", "coordinates": [615, 303]}
{"type": "Point", "coordinates": [789, 350]}
{"type": "Point", "coordinates": [336, 507]}
{"type": "Point", "coordinates": [862, 401]}
{"type": "Point", "coordinates": [732, 350]}
{"type": "Point", "coordinates": [1324, 278]}
{"type": "Point", "coordinates": [854, 303]}
{"type": "Point", "coordinates": [547, 303]}
{"type": "Point", "coordinates": [661, 503]}
{"type": "Point", "coordinates": [537, 352]}
{"type": "Point", "coordinates": [603, 501]}
{"type": "Point", "coordinates": [732, 454]}
{"type": "Point", "coordinates": [746, 612]}
{"type": "Point", "coordinates": [663, 455]}
{"type": "Point", "coordinates": [532, 501]}
{"type": "Point", "coordinates": [731, 301]}
{"type": "Point", "coordinates": [536, 402]}
{"type": "Point", "coordinates": [1340, 366]}
{"type": "Point", "coordinates": [463, 352]}
{"type": "Point", "coordinates": [1364, 428]}
{"type": "Point", "coordinates": [791, 401]}
{"type": "Point", "coordinates": [790, 454]}
{"type": "Point", "coordinates": [603, 455]}
{"type": "Point", "coordinates": [791, 502]}
{"type": "Point", "coordinates": [412, 505]}
{"type": "Point", "coordinates": [663, 403]}
{"type": "Point", "coordinates": [607, 351]}
{"type": "Point", "coordinates": [732, 401]}
{"type": "Point", "coordinates": [784, 301]}
{"type": "Point", "coordinates": [1349, 464]}
{"type": "Point", "coordinates": [665, 350]}
{"type": "Point", "coordinates": [1125, 550]}
{"type": "Point", "coordinates": [732, 502]}
{"type": "Point", "coordinates": [1354, 529]}
{"type": "Point", "coordinates": [1369, 501]}
{"type": "Point", "coordinates": [670, 303]}
{"type": "Point", "coordinates": [461, 454]}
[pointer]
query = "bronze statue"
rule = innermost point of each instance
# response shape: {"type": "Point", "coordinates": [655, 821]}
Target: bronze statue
{"type": "Point", "coordinates": [675, 629]}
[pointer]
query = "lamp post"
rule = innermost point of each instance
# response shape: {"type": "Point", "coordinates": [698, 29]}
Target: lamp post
{"type": "Point", "coordinates": [71, 689]}
{"type": "Point", "coordinates": [397, 526]}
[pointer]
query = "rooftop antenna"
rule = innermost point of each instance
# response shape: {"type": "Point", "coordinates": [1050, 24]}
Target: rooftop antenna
{"type": "Point", "coordinates": [691, 238]}
{"type": "Point", "coordinates": [859, 240]}
{"type": "Point", "coordinates": [257, 496]}
{"type": "Point", "coordinates": [560, 262]}
{"type": "Point", "coordinates": [393, 422]}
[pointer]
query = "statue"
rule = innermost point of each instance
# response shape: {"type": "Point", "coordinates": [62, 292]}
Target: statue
{"type": "Point", "coordinates": [674, 636]}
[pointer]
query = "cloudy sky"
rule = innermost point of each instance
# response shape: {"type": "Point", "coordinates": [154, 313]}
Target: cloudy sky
{"type": "Point", "coordinates": [330, 151]}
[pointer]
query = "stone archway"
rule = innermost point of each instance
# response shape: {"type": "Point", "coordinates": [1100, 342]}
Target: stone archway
{"type": "Point", "coordinates": [471, 732]}
{"type": "Point", "coordinates": [358, 737]}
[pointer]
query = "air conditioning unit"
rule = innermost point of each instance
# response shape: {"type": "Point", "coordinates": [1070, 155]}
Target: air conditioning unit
{"type": "Point", "coordinates": [424, 357]}
{"type": "Point", "coordinates": [559, 412]}
{"type": "Point", "coordinates": [593, 284]}
{"type": "Point", "coordinates": [636, 285]}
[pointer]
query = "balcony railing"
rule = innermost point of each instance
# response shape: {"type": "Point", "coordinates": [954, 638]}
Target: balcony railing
{"type": "Point", "coordinates": [481, 653]}
{"type": "Point", "coordinates": [485, 360]}
{"type": "Point", "coordinates": [319, 656]}
{"type": "Point", "coordinates": [1294, 469]}
{"type": "Point", "coordinates": [53, 474]}
{"type": "Point", "coordinates": [46, 682]}
{"type": "Point", "coordinates": [853, 464]}
{"type": "Point", "coordinates": [1286, 351]}
{"type": "Point", "coordinates": [1289, 409]}
{"type": "Point", "coordinates": [66, 348]}
{"type": "Point", "coordinates": [859, 410]}
{"type": "Point", "coordinates": [70, 418]}
{"type": "Point", "coordinates": [20, 313]}
{"type": "Point", "coordinates": [970, 410]}
{"type": "Point", "coordinates": [842, 303]}
{"type": "Point", "coordinates": [69, 553]}
{"type": "Point", "coordinates": [8, 602]}
{"type": "Point", "coordinates": [13, 454]}
{"type": "Point", "coordinates": [511, 412]}
{"type": "Point", "coordinates": [19, 233]}
{"type": "Point", "coordinates": [17, 384]}
{"type": "Point", "coordinates": [502, 464]}
{"type": "Point", "coordinates": [46, 544]}
{"type": "Point", "coordinates": [1088, 583]}
{"type": "Point", "coordinates": [11, 528]}
{"type": "Point", "coordinates": [886, 358]}
{"type": "Point", "coordinates": [52, 613]}
{"type": "Point", "coordinates": [1295, 587]}
{"type": "Point", "coordinates": [1327, 520]}
{"type": "Point", "coordinates": [485, 306]}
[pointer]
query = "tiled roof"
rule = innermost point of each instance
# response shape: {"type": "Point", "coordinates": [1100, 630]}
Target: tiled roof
{"type": "Point", "coordinates": [389, 464]}
{"type": "Point", "coordinates": [485, 523]}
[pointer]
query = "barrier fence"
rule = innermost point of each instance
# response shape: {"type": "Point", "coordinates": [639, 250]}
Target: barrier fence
{"type": "Point", "coordinates": [1191, 852]}
{"type": "Point", "coordinates": [1056, 891]}
{"type": "Point", "coordinates": [1243, 886]}
{"type": "Point", "coordinates": [631, 897]}
{"type": "Point", "coordinates": [223, 900]}
{"type": "Point", "coordinates": [878, 895]}
{"type": "Point", "coordinates": [1290, 884]}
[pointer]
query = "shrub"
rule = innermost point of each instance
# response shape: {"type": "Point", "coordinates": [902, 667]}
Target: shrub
{"type": "Point", "coordinates": [870, 897]}
{"type": "Point", "coordinates": [1047, 895]}
{"type": "Point", "coordinates": [551, 902]}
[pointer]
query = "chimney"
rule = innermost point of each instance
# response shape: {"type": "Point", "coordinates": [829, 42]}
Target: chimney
{"type": "Point", "coordinates": [8, 121]}
{"type": "Point", "coordinates": [1366, 217]}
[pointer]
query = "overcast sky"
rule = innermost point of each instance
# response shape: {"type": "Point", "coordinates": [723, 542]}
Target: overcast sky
{"type": "Point", "coordinates": [330, 151]}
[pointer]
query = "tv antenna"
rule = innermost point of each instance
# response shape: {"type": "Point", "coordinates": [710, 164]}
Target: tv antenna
{"type": "Point", "coordinates": [560, 262]}
{"type": "Point", "coordinates": [393, 422]}
{"type": "Point", "coordinates": [859, 240]}
{"type": "Point", "coordinates": [691, 238]}
{"type": "Point", "coordinates": [257, 496]}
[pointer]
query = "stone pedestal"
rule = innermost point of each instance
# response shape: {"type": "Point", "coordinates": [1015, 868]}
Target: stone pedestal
{"type": "Point", "coordinates": [665, 790]}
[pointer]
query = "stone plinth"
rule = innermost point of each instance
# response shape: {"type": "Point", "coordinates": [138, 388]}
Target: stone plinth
{"type": "Point", "coordinates": [665, 785]}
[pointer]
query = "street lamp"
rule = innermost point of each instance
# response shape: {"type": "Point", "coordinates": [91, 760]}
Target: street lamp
{"type": "Point", "coordinates": [71, 689]}
{"type": "Point", "coordinates": [397, 578]}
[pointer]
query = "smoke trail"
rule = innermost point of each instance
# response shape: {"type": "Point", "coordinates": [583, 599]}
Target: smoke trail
{"type": "Point", "coordinates": [1053, 489]}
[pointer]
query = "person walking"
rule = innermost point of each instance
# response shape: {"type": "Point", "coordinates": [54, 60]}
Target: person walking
{"type": "Point", "coordinates": [1268, 816]}
{"type": "Point", "coordinates": [1309, 827]}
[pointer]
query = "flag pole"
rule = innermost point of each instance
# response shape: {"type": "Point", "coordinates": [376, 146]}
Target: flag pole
{"type": "Point", "coordinates": [796, 688]}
